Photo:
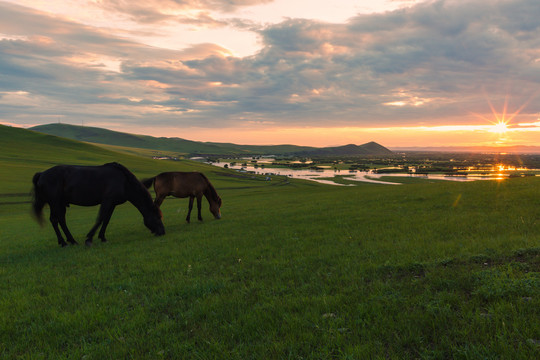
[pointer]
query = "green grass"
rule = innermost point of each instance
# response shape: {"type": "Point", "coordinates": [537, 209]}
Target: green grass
{"type": "Point", "coordinates": [293, 270]}
{"type": "Point", "coordinates": [177, 145]}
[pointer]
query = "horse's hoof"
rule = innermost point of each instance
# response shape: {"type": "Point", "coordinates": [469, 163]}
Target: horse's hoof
{"type": "Point", "coordinates": [74, 242]}
{"type": "Point", "coordinates": [88, 242]}
{"type": "Point", "coordinates": [63, 244]}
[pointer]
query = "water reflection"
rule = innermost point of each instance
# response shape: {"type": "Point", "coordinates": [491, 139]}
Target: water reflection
{"type": "Point", "coordinates": [324, 176]}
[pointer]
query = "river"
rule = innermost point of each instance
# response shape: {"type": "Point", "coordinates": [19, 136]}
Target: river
{"type": "Point", "coordinates": [324, 176]}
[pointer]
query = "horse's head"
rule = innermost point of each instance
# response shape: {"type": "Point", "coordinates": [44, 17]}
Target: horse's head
{"type": "Point", "coordinates": [214, 208]}
{"type": "Point", "coordinates": [152, 220]}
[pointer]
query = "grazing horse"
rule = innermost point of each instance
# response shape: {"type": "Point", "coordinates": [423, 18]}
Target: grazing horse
{"type": "Point", "coordinates": [109, 185]}
{"type": "Point", "coordinates": [182, 185]}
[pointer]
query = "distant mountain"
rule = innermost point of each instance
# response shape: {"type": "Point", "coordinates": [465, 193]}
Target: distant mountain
{"type": "Point", "coordinates": [194, 148]}
{"type": "Point", "coordinates": [370, 148]}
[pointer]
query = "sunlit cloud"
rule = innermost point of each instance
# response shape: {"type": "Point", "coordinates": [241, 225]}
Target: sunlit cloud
{"type": "Point", "coordinates": [13, 37]}
{"type": "Point", "coordinates": [533, 125]}
{"type": "Point", "coordinates": [95, 61]}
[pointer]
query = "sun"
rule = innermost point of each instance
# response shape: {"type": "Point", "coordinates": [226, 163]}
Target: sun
{"type": "Point", "coordinates": [501, 123]}
{"type": "Point", "coordinates": [501, 127]}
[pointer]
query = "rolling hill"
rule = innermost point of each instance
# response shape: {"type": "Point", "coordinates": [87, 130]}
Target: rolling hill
{"type": "Point", "coordinates": [24, 152]}
{"type": "Point", "coordinates": [185, 147]}
{"type": "Point", "coordinates": [109, 137]}
{"type": "Point", "coordinates": [194, 148]}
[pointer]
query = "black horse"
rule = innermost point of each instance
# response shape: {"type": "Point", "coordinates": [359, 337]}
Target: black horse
{"type": "Point", "coordinates": [109, 185]}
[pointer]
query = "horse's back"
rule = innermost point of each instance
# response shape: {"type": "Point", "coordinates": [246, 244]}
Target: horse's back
{"type": "Point", "coordinates": [83, 185]}
{"type": "Point", "coordinates": [180, 184]}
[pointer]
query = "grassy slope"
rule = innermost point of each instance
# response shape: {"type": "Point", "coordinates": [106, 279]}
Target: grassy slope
{"type": "Point", "coordinates": [297, 270]}
{"type": "Point", "coordinates": [24, 152]}
{"type": "Point", "coordinates": [104, 136]}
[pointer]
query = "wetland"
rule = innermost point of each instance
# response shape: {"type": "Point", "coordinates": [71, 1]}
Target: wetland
{"type": "Point", "coordinates": [390, 170]}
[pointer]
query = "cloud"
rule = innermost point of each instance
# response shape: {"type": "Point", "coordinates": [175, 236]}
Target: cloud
{"type": "Point", "coordinates": [183, 11]}
{"type": "Point", "coordinates": [418, 65]}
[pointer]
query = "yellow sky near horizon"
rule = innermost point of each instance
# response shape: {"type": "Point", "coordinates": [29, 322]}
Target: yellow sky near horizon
{"type": "Point", "coordinates": [390, 137]}
{"type": "Point", "coordinates": [525, 134]}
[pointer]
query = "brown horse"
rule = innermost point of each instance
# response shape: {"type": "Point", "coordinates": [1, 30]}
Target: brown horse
{"type": "Point", "coordinates": [185, 184]}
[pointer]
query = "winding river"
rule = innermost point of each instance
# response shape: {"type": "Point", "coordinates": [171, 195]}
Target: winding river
{"type": "Point", "coordinates": [325, 175]}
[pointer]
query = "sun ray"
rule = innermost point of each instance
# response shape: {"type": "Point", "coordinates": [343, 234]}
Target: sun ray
{"type": "Point", "coordinates": [494, 112]}
{"type": "Point", "coordinates": [516, 113]}
{"type": "Point", "coordinates": [505, 108]}
{"type": "Point", "coordinates": [501, 122]}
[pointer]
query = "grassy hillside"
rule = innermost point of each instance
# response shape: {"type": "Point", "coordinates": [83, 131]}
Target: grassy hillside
{"type": "Point", "coordinates": [293, 270]}
{"type": "Point", "coordinates": [24, 152]}
{"type": "Point", "coordinates": [185, 147]}
{"type": "Point", "coordinates": [104, 136]}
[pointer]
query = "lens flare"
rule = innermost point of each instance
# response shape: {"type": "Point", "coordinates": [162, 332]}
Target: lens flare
{"type": "Point", "coordinates": [501, 123]}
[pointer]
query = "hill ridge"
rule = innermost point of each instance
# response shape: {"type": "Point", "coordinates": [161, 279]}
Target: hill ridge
{"type": "Point", "coordinates": [197, 148]}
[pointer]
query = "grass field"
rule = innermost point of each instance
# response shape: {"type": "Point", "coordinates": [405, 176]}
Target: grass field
{"type": "Point", "coordinates": [294, 270]}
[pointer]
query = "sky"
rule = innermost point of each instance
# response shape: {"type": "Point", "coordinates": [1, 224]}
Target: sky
{"type": "Point", "coordinates": [402, 73]}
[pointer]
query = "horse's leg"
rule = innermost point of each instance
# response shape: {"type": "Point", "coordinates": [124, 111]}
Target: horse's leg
{"type": "Point", "coordinates": [102, 209]}
{"type": "Point", "coordinates": [199, 203]}
{"type": "Point", "coordinates": [55, 211]}
{"type": "Point", "coordinates": [62, 220]}
{"type": "Point", "coordinates": [159, 199]}
{"type": "Point", "coordinates": [106, 217]}
{"type": "Point", "coordinates": [191, 198]}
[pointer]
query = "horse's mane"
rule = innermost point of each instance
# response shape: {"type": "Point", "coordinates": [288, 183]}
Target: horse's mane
{"type": "Point", "coordinates": [131, 179]}
{"type": "Point", "coordinates": [211, 189]}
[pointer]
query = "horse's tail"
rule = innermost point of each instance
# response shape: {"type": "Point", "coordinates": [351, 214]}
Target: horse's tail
{"type": "Point", "coordinates": [37, 202]}
{"type": "Point", "coordinates": [148, 182]}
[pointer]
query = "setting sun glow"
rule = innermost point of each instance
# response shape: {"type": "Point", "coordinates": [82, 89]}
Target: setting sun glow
{"type": "Point", "coordinates": [500, 128]}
